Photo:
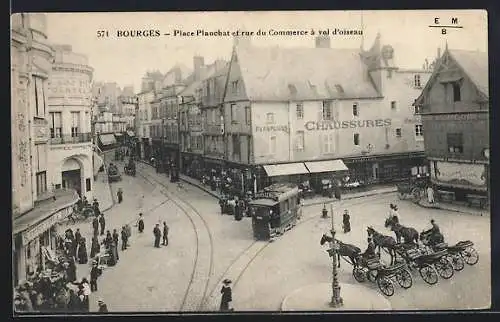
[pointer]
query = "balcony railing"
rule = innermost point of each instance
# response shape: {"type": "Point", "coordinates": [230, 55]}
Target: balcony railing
{"type": "Point", "coordinates": [72, 138]}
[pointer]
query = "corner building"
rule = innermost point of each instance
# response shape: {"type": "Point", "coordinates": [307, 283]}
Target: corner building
{"type": "Point", "coordinates": [454, 107]}
{"type": "Point", "coordinates": [70, 103]}
{"type": "Point", "coordinates": [334, 110]}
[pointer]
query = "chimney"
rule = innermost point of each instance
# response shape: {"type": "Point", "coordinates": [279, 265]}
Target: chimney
{"type": "Point", "coordinates": [198, 64]}
{"type": "Point", "coordinates": [322, 42]}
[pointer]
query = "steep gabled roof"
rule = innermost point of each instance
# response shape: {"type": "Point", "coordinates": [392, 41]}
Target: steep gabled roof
{"type": "Point", "coordinates": [282, 74]}
{"type": "Point", "coordinates": [475, 65]}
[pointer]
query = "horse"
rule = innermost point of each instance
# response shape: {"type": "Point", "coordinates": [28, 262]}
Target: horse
{"type": "Point", "coordinates": [410, 235]}
{"type": "Point", "coordinates": [381, 241]}
{"type": "Point", "coordinates": [348, 250]}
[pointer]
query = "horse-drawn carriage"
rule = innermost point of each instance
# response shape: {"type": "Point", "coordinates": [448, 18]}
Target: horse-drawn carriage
{"type": "Point", "coordinates": [461, 252]}
{"type": "Point", "coordinates": [370, 267]}
{"type": "Point", "coordinates": [129, 168]}
{"type": "Point", "coordinates": [113, 173]}
{"type": "Point", "coordinates": [274, 210]}
{"type": "Point", "coordinates": [414, 188]}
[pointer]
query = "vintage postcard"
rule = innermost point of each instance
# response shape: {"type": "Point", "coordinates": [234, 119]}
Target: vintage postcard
{"type": "Point", "coordinates": [250, 161]}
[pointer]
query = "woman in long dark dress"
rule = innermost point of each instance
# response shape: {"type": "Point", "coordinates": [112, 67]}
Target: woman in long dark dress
{"type": "Point", "coordinates": [140, 223]}
{"type": "Point", "coordinates": [227, 296]}
{"type": "Point", "coordinates": [82, 252]}
{"type": "Point", "coordinates": [95, 247]}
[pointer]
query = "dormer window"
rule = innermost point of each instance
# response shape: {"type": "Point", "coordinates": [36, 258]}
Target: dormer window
{"type": "Point", "coordinates": [416, 81]}
{"type": "Point", "coordinates": [456, 91]}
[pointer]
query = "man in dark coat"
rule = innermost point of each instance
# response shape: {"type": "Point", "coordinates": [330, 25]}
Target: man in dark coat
{"type": "Point", "coordinates": [165, 234]}
{"type": "Point", "coordinates": [103, 308]}
{"type": "Point", "coordinates": [95, 205]}
{"type": "Point", "coordinates": [82, 252]}
{"type": "Point", "coordinates": [157, 234]}
{"type": "Point", "coordinates": [140, 223]}
{"type": "Point", "coordinates": [78, 236]}
{"type": "Point", "coordinates": [124, 238]}
{"type": "Point", "coordinates": [95, 225]}
{"type": "Point", "coordinates": [102, 222]}
{"type": "Point", "coordinates": [119, 194]}
{"type": "Point", "coordinates": [116, 237]}
{"type": "Point", "coordinates": [95, 272]}
{"type": "Point", "coordinates": [95, 247]}
{"type": "Point", "coordinates": [346, 221]}
{"type": "Point", "coordinates": [227, 296]}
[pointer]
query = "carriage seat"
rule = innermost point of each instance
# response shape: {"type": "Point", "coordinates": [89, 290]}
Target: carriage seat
{"type": "Point", "coordinates": [373, 263]}
{"type": "Point", "coordinates": [441, 246]}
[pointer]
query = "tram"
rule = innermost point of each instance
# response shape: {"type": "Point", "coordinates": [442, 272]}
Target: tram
{"type": "Point", "coordinates": [275, 210]}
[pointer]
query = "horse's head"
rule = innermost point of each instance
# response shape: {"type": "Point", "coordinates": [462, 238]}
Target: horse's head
{"type": "Point", "coordinates": [388, 222]}
{"type": "Point", "coordinates": [324, 239]}
{"type": "Point", "coordinates": [424, 237]}
{"type": "Point", "coordinates": [370, 230]}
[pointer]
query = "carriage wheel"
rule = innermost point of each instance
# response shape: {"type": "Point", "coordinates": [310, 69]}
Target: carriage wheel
{"type": "Point", "coordinates": [470, 255]}
{"type": "Point", "coordinates": [457, 262]}
{"type": "Point", "coordinates": [429, 274]}
{"type": "Point", "coordinates": [404, 279]}
{"type": "Point", "coordinates": [444, 268]}
{"type": "Point", "coordinates": [385, 285]}
{"type": "Point", "coordinates": [372, 275]}
{"type": "Point", "coordinates": [359, 274]}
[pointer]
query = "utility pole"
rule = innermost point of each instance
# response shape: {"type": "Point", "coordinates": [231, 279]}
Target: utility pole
{"type": "Point", "coordinates": [337, 300]}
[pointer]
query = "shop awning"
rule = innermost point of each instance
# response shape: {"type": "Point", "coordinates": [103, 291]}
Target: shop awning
{"type": "Point", "coordinates": [130, 133]}
{"type": "Point", "coordinates": [275, 170]}
{"type": "Point", "coordinates": [107, 139]}
{"type": "Point", "coordinates": [118, 134]}
{"type": "Point", "coordinates": [326, 166]}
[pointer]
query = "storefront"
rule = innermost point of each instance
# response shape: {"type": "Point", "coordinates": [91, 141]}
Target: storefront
{"type": "Point", "coordinates": [107, 142]}
{"type": "Point", "coordinates": [192, 165]}
{"type": "Point", "coordinates": [146, 149]}
{"type": "Point", "coordinates": [36, 236]}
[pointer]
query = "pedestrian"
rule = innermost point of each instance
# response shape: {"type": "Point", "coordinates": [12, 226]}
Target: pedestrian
{"type": "Point", "coordinates": [95, 205]}
{"type": "Point", "coordinates": [95, 225]}
{"type": "Point", "coordinates": [124, 238]}
{"type": "Point", "coordinates": [108, 239]}
{"type": "Point", "coordinates": [78, 236]}
{"type": "Point", "coordinates": [95, 272]}
{"type": "Point", "coordinates": [119, 194]}
{"type": "Point", "coordinates": [157, 235]}
{"type": "Point", "coordinates": [82, 252]}
{"type": "Point", "coordinates": [324, 212]}
{"type": "Point", "coordinates": [102, 222]}
{"type": "Point", "coordinates": [165, 234]}
{"type": "Point", "coordinates": [116, 237]}
{"type": "Point", "coordinates": [430, 194]}
{"type": "Point", "coordinates": [95, 248]}
{"type": "Point", "coordinates": [222, 203]}
{"type": "Point", "coordinates": [71, 271]}
{"type": "Point", "coordinates": [140, 223]}
{"type": "Point", "coordinates": [74, 304]}
{"type": "Point", "coordinates": [346, 223]}
{"type": "Point", "coordinates": [227, 296]}
{"type": "Point", "coordinates": [103, 308]}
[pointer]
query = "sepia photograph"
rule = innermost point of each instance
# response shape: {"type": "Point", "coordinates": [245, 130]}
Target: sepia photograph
{"type": "Point", "coordinates": [272, 161]}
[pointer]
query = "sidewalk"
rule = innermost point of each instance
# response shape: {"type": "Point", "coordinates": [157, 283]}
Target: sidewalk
{"type": "Point", "coordinates": [102, 191]}
{"type": "Point", "coordinates": [316, 297]}
{"type": "Point", "coordinates": [454, 208]}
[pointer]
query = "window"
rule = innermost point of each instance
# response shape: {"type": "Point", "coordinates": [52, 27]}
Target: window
{"type": "Point", "coordinates": [416, 81]}
{"type": "Point", "coordinates": [356, 138]}
{"type": "Point", "coordinates": [248, 116]}
{"type": "Point", "coordinates": [327, 110]}
{"type": "Point", "coordinates": [419, 131]}
{"type": "Point", "coordinates": [393, 105]}
{"type": "Point", "coordinates": [39, 97]}
{"type": "Point", "coordinates": [300, 141]}
{"type": "Point", "coordinates": [398, 132]}
{"type": "Point", "coordinates": [328, 143]}
{"type": "Point", "coordinates": [55, 124]}
{"type": "Point", "coordinates": [456, 92]}
{"type": "Point", "coordinates": [272, 145]}
{"type": "Point", "coordinates": [75, 123]}
{"type": "Point", "coordinates": [41, 182]}
{"type": "Point", "coordinates": [236, 145]}
{"type": "Point", "coordinates": [233, 113]}
{"type": "Point", "coordinates": [88, 184]}
{"type": "Point", "coordinates": [234, 87]}
{"type": "Point", "coordinates": [270, 118]}
{"type": "Point", "coordinates": [300, 111]}
{"type": "Point", "coordinates": [418, 109]}
{"type": "Point", "coordinates": [455, 142]}
{"type": "Point", "coordinates": [355, 111]}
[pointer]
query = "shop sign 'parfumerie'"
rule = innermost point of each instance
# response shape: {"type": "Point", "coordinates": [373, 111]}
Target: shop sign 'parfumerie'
{"type": "Point", "coordinates": [335, 125]}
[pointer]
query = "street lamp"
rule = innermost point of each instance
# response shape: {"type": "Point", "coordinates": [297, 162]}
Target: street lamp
{"type": "Point", "coordinates": [337, 300]}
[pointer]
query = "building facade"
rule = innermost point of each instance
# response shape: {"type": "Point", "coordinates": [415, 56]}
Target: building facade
{"type": "Point", "coordinates": [37, 205]}
{"type": "Point", "coordinates": [454, 107]}
{"type": "Point", "coordinates": [70, 102]}
{"type": "Point", "coordinates": [349, 105]}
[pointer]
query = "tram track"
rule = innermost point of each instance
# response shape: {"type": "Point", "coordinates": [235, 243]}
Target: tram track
{"type": "Point", "coordinates": [197, 288]}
